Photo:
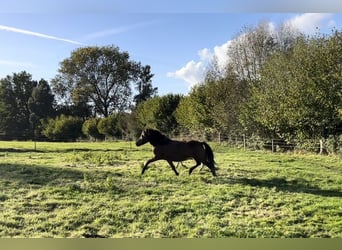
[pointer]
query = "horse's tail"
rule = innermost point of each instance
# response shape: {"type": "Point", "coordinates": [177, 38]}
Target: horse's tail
{"type": "Point", "coordinates": [210, 157]}
{"type": "Point", "coordinates": [208, 152]}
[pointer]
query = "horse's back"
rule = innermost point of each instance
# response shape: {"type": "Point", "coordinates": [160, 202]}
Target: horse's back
{"type": "Point", "coordinates": [179, 150]}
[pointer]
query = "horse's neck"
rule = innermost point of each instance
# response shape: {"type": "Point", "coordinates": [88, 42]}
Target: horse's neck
{"type": "Point", "coordinates": [160, 141]}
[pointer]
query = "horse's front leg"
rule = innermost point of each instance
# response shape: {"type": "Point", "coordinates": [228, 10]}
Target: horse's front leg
{"type": "Point", "coordinates": [173, 167]}
{"type": "Point", "coordinates": [148, 162]}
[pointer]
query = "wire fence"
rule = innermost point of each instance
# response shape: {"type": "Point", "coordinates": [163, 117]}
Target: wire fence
{"type": "Point", "coordinates": [331, 145]}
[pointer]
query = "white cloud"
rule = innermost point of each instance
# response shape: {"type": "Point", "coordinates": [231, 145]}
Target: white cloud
{"type": "Point", "coordinates": [36, 34]}
{"type": "Point", "coordinates": [220, 53]}
{"type": "Point", "coordinates": [309, 22]}
{"type": "Point", "coordinates": [205, 54]}
{"type": "Point", "coordinates": [192, 72]}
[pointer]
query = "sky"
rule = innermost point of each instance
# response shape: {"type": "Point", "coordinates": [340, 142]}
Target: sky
{"type": "Point", "coordinates": [177, 38]}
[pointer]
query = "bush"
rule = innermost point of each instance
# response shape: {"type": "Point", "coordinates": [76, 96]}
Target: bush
{"type": "Point", "coordinates": [90, 129]}
{"type": "Point", "coordinates": [333, 144]}
{"type": "Point", "coordinates": [108, 126]}
{"type": "Point", "coordinates": [63, 128]}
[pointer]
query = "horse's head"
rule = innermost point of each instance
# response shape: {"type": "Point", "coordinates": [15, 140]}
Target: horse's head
{"type": "Point", "coordinates": [152, 136]}
{"type": "Point", "coordinates": [144, 137]}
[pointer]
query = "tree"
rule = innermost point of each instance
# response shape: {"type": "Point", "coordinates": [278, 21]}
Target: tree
{"type": "Point", "coordinates": [99, 77]}
{"type": "Point", "coordinates": [165, 114]}
{"type": "Point", "coordinates": [144, 113]}
{"type": "Point", "coordinates": [250, 49]}
{"type": "Point", "coordinates": [225, 97]}
{"type": "Point", "coordinates": [192, 113]}
{"type": "Point", "coordinates": [90, 128]}
{"type": "Point", "coordinates": [41, 105]}
{"type": "Point", "coordinates": [7, 107]}
{"type": "Point", "coordinates": [144, 86]}
{"type": "Point", "coordinates": [63, 128]}
{"type": "Point", "coordinates": [187, 114]}
{"type": "Point", "coordinates": [15, 92]}
{"type": "Point", "coordinates": [108, 126]}
{"type": "Point", "coordinates": [159, 113]}
{"type": "Point", "coordinates": [215, 104]}
{"type": "Point", "coordinates": [299, 92]}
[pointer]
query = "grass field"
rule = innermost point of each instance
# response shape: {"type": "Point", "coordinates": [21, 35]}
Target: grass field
{"type": "Point", "coordinates": [96, 190]}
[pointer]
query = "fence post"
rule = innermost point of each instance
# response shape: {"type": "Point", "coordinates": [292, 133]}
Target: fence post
{"type": "Point", "coordinates": [273, 145]}
{"type": "Point", "coordinates": [244, 142]}
{"type": "Point", "coordinates": [320, 146]}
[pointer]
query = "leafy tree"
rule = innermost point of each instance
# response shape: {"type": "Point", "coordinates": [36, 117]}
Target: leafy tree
{"type": "Point", "coordinates": [187, 114]}
{"type": "Point", "coordinates": [215, 104]}
{"type": "Point", "coordinates": [63, 128]}
{"type": "Point", "coordinates": [108, 126]}
{"type": "Point", "coordinates": [250, 49]}
{"type": "Point", "coordinates": [144, 86]}
{"type": "Point", "coordinates": [225, 94]}
{"type": "Point", "coordinates": [40, 104]}
{"type": "Point", "coordinates": [15, 92]}
{"type": "Point", "coordinates": [193, 111]}
{"type": "Point", "coordinates": [165, 114]}
{"type": "Point", "coordinates": [127, 125]}
{"type": "Point", "coordinates": [7, 107]}
{"type": "Point", "coordinates": [144, 113]}
{"type": "Point", "coordinates": [99, 77]}
{"type": "Point", "coordinates": [159, 113]}
{"type": "Point", "coordinates": [90, 128]}
{"type": "Point", "coordinates": [299, 93]}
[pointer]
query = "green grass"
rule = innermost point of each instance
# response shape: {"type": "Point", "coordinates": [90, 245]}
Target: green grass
{"type": "Point", "coordinates": [96, 190]}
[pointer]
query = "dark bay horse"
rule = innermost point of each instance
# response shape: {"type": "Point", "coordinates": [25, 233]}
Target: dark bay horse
{"type": "Point", "coordinates": [176, 151]}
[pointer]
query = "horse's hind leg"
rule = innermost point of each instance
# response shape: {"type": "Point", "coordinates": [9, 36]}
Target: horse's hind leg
{"type": "Point", "coordinates": [180, 162]}
{"type": "Point", "coordinates": [211, 166]}
{"type": "Point", "coordinates": [193, 168]}
{"type": "Point", "coordinates": [173, 167]}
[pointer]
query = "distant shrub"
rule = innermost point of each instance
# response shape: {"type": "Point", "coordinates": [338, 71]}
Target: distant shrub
{"type": "Point", "coordinates": [63, 128]}
{"type": "Point", "coordinates": [90, 129]}
{"type": "Point", "coordinates": [333, 144]}
{"type": "Point", "coordinates": [108, 126]}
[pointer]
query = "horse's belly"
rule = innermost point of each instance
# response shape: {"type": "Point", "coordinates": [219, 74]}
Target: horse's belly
{"type": "Point", "coordinates": [174, 153]}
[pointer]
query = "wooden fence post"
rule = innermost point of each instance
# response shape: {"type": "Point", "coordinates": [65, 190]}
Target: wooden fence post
{"type": "Point", "coordinates": [244, 142]}
{"type": "Point", "coordinates": [273, 146]}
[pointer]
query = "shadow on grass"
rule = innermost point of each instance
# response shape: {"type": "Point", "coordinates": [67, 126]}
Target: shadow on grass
{"type": "Point", "coordinates": [38, 175]}
{"type": "Point", "coordinates": [65, 150]}
{"type": "Point", "coordinates": [281, 184]}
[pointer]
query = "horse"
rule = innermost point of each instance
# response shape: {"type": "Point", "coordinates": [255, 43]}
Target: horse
{"type": "Point", "coordinates": [176, 151]}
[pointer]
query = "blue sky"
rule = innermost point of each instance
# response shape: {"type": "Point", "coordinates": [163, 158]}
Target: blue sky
{"type": "Point", "coordinates": [177, 40]}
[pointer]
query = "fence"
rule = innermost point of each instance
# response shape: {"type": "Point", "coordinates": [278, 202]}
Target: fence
{"type": "Point", "coordinates": [322, 146]}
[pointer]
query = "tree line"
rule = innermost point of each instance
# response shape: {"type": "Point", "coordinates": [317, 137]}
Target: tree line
{"type": "Point", "coordinates": [95, 84]}
{"type": "Point", "coordinates": [277, 83]}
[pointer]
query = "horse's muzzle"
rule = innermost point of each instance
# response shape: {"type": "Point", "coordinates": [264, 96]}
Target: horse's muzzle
{"type": "Point", "coordinates": [139, 142]}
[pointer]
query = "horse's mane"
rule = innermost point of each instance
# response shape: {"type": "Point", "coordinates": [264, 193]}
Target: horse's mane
{"type": "Point", "coordinates": [157, 138]}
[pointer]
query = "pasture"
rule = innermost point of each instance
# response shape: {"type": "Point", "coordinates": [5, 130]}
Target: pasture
{"type": "Point", "coordinates": [97, 190]}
